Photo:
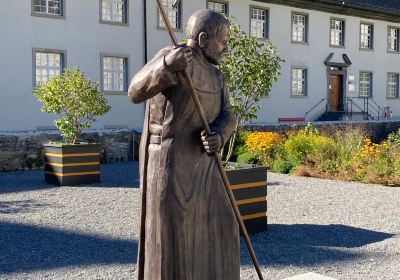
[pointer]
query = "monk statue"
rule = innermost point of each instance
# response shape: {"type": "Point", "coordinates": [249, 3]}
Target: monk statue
{"type": "Point", "coordinates": [188, 228]}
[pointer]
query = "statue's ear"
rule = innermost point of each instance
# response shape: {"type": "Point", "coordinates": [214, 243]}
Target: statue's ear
{"type": "Point", "coordinates": [202, 39]}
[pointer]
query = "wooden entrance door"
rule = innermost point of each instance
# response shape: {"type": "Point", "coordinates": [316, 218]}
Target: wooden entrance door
{"type": "Point", "coordinates": [335, 93]}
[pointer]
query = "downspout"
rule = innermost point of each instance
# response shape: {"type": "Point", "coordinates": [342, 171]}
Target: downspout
{"type": "Point", "coordinates": [145, 41]}
{"type": "Point", "coordinates": [145, 29]}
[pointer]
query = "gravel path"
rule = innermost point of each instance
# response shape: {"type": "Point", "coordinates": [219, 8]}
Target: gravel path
{"type": "Point", "coordinates": [337, 229]}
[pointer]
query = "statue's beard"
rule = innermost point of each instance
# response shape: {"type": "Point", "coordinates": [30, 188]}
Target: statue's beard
{"type": "Point", "coordinates": [212, 55]}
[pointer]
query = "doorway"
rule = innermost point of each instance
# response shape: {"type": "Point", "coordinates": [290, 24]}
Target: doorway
{"type": "Point", "coordinates": [335, 95]}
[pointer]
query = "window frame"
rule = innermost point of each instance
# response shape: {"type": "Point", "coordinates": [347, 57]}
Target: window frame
{"type": "Point", "coordinates": [126, 83]}
{"type": "Point", "coordinates": [306, 30]}
{"type": "Point", "coordinates": [371, 84]}
{"type": "Point", "coordinates": [226, 3]}
{"type": "Point", "coordinates": [397, 96]}
{"type": "Point", "coordinates": [125, 22]}
{"type": "Point", "coordinates": [304, 68]}
{"type": "Point", "coordinates": [372, 36]}
{"type": "Point", "coordinates": [398, 38]}
{"type": "Point", "coordinates": [343, 32]}
{"type": "Point", "coordinates": [266, 9]}
{"type": "Point", "coordinates": [46, 50]}
{"type": "Point", "coordinates": [176, 29]}
{"type": "Point", "coordinates": [62, 15]}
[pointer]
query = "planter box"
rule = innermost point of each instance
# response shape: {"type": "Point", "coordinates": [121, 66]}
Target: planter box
{"type": "Point", "coordinates": [72, 164]}
{"type": "Point", "coordinates": [249, 186]}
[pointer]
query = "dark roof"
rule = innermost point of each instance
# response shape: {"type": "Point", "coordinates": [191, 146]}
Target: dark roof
{"type": "Point", "coordinates": [393, 5]}
{"type": "Point", "coordinates": [385, 10]}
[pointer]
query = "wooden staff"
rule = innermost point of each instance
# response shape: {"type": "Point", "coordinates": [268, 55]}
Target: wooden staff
{"type": "Point", "coordinates": [208, 131]}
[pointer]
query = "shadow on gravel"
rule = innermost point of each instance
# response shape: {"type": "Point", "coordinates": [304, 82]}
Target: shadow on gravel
{"type": "Point", "coordinates": [308, 245]}
{"type": "Point", "coordinates": [20, 206]}
{"type": "Point", "coordinates": [113, 175]}
{"type": "Point", "coordinates": [25, 248]}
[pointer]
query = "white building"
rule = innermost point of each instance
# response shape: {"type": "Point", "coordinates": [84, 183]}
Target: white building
{"type": "Point", "coordinates": [333, 50]}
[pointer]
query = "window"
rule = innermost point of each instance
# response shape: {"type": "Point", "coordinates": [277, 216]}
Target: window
{"type": "Point", "coordinates": [337, 33]}
{"type": "Point", "coordinates": [299, 28]}
{"type": "Point", "coordinates": [299, 82]}
{"type": "Point", "coordinates": [48, 8]}
{"type": "Point", "coordinates": [114, 11]}
{"type": "Point", "coordinates": [114, 73]}
{"type": "Point", "coordinates": [219, 7]}
{"type": "Point", "coordinates": [258, 23]}
{"type": "Point", "coordinates": [366, 38]}
{"type": "Point", "coordinates": [174, 14]}
{"type": "Point", "coordinates": [393, 85]}
{"type": "Point", "coordinates": [365, 84]}
{"type": "Point", "coordinates": [47, 64]}
{"type": "Point", "coordinates": [393, 39]}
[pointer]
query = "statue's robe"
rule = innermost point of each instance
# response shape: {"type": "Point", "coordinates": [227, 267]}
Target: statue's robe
{"type": "Point", "coordinates": [188, 227]}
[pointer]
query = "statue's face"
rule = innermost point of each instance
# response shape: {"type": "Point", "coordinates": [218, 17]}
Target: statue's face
{"type": "Point", "coordinates": [215, 47]}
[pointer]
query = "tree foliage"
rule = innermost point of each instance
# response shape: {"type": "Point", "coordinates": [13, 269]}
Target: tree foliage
{"type": "Point", "coordinates": [74, 99]}
{"type": "Point", "coordinates": [251, 67]}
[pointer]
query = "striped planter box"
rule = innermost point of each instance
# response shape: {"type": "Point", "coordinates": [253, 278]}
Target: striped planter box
{"type": "Point", "coordinates": [249, 186]}
{"type": "Point", "coordinates": [72, 164]}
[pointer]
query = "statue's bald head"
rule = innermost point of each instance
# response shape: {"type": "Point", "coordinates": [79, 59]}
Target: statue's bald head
{"type": "Point", "coordinates": [206, 21]}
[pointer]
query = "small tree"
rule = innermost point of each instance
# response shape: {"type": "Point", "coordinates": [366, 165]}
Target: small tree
{"type": "Point", "coordinates": [250, 67]}
{"type": "Point", "coordinates": [74, 99]}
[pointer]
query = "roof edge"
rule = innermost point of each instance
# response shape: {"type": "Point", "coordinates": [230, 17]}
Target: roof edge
{"type": "Point", "coordinates": [341, 7]}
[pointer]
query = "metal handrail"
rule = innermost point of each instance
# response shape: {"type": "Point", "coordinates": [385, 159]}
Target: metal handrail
{"type": "Point", "coordinates": [378, 108]}
{"type": "Point", "coordinates": [370, 108]}
{"type": "Point", "coordinates": [315, 106]}
{"type": "Point", "coordinates": [350, 112]}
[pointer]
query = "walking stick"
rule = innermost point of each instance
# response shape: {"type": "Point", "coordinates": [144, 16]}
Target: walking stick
{"type": "Point", "coordinates": [208, 131]}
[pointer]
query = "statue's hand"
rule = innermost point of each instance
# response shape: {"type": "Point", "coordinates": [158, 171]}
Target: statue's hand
{"type": "Point", "coordinates": [179, 58]}
{"type": "Point", "coordinates": [212, 142]}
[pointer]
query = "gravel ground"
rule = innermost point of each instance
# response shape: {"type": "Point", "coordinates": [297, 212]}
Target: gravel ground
{"type": "Point", "coordinates": [337, 229]}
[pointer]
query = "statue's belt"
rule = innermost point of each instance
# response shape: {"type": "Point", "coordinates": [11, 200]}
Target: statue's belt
{"type": "Point", "coordinates": [155, 139]}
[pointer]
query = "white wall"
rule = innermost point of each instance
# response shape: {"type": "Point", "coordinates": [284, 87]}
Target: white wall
{"type": "Point", "coordinates": [83, 38]}
{"type": "Point", "coordinates": [311, 55]}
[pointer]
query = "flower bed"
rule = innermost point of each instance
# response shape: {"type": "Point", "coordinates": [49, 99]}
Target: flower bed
{"type": "Point", "coordinates": [337, 154]}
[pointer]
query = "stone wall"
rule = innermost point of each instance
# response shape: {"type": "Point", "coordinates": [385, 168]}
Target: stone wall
{"type": "Point", "coordinates": [24, 149]}
{"type": "Point", "coordinates": [376, 130]}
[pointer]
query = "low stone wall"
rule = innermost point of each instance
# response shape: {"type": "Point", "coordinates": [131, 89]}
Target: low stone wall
{"type": "Point", "coordinates": [376, 130]}
{"type": "Point", "coordinates": [24, 149]}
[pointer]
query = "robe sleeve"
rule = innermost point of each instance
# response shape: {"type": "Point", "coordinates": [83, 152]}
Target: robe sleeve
{"type": "Point", "coordinates": [225, 123]}
{"type": "Point", "coordinates": [152, 79]}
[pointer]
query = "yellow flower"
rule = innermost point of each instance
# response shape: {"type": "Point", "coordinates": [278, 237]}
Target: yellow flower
{"type": "Point", "coordinates": [261, 141]}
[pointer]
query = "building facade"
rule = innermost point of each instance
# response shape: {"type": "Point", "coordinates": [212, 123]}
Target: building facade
{"type": "Point", "coordinates": [338, 54]}
{"type": "Point", "coordinates": [38, 38]}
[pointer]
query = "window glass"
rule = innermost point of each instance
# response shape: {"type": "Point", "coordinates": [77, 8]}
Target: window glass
{"type": "Point", "coordinates": [47, 6]}
{"type": "Point", "coordinates": [299, 78]}
{"type": "Point", "coordinates": [113, 10]}
{"type": "Point", "coordinates": [337, 32]}
{"type": "Point", "coordinates": [258, 23]}
{"type": "Point", "coordinates": [114, 73]}
{"type": "Point", "coordinates": [299, 28]}
{"type": "Point", "coordinates": [172, 13]}
{"type": "Point", "coordinates": [365, 84]}
{"type": "Point", "coordinates": [393, 85]}
{"type": "Point", "coordinates": [47, 65]}
{"type": "Point", "coordinates": [393, 39]}
{"type": "Point", "coordinates": [366, 36]}
{"type": "Point", "coordinates": [218, 7]}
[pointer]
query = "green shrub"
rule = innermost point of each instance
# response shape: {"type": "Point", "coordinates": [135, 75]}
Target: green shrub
{"type": "Point", "coordinates": [394, 138]}
{"type": "Point", "coordinates": [297, 147]}
{"type": "Point", "coordinates": [74, 99]}
{"type": "Point", "coordinates": [282, 166]}
{"type": "Point", "coordinates": [247, 158]}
